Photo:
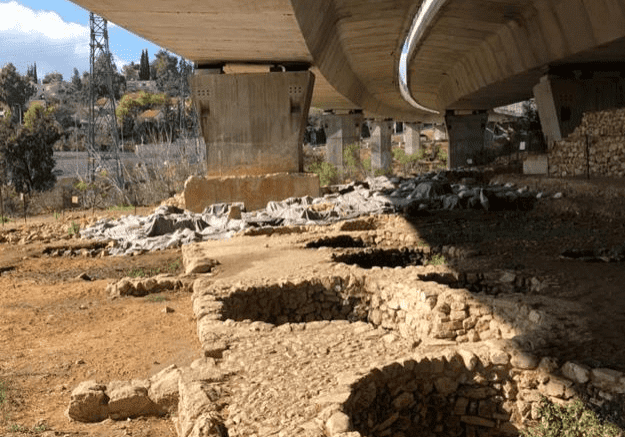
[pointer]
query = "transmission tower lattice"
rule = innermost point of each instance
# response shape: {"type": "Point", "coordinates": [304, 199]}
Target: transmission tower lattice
{"type": "Point", "coordinates": [103, 139]}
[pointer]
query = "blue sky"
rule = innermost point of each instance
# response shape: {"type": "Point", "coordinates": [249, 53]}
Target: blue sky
{"type": "Point", "coordinates": [55, 35]}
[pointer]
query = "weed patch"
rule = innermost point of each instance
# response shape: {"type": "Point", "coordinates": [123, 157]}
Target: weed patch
{"type": "Point", "coordinates": [574, 420]}
{"type": "Point", "coordinates": [437, 260]}
{"type": "Point", "coordinates": [155, 298]}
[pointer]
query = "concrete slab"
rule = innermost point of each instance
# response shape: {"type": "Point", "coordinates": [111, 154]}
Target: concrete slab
{"type": "Point", "coordinates": [253, 191]}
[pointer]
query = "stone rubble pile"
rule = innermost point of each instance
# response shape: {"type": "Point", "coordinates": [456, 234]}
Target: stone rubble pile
{"type": "Point", "coordinates": [139, 287]}
{"type": "Point", "coordinates": [596, 147]}
{"type": "Point", "coordinates": [613, 254]}
{"type": "Point", "coordinates": [169, 226]}
{"type": "Point", "coordinates": [157, 396]}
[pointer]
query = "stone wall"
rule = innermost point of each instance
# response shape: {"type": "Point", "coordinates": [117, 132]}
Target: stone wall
{"type": "Point", "coordinates": [596, 147]}
{"type": "Point", "coordinates": [380, 297]}
{"type": "Point", "coordinates": [484, 391]}
{"type": "Point", "coordinates": [475, 371]}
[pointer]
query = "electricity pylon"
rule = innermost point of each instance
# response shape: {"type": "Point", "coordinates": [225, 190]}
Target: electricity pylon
{"type": "Point", "coordinates": [103, 140]}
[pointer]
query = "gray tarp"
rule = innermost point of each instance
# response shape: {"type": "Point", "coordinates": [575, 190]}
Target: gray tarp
{"type": "Point", "coordinates": [171, 227]}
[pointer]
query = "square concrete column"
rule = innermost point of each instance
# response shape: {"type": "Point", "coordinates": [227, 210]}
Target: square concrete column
{"type": "Point", "coordinates": [253, 124]}
{"type": "Point", "coordinates": [559, 108]}
{"type": "Point", "coordinates": [341, 131]}
{"type": "Point", "coordinates": [466, 138]}
{"type": "Point", "coordinates": [412, 138]}
{"type": "Point", "coordinates": [381, 156]}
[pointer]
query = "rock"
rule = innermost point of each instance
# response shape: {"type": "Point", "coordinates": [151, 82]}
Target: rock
{"type": "Point", "coordinates": [576, 372]}
{"type": "Point", "coordinates": [197, 414]}
{"type": "Point", "coordinates": [88, 402]}
{"type": "Point", "coordinates": [523, 360]}
{"type": "Point", "coordinates": [196, 260]}
{"type": "Point", "coordinates": [605, 379]}
{"type": "Point", "coordinates": [429, 189]}
{"type": "Point", "coordinates": [499, 357]}
{"type": "Point", "coordinates": [556, 387]}
{"type": "Point", "coordinates": [507, 278]}
{"type": "Point", "coordinates": [460, 408]}
{"type": "Point", "coordinates": [338, 423]}
{"type": "Point", "coordinates": [84, 277]}
{"type": "Point", "coordinates": [446, 386]}
{"type": "Point", "coordinates": [469, 358]}
{"type": "Point", "coordinates": [478, 421]}
{"type": "Point", "coordinates": [402, 401]}
{"type": "Point", "coordinates": [167, 310]}
{"type": "Point", "coordinates": [128, 399]}
{"type": "Point", "coordinates": [163, 389]}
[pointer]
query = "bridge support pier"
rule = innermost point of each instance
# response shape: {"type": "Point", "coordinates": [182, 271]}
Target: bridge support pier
{"type": "Point", "coordinates": [466, 138]}
{"type": "Point", "coordinates": [381, 156]}
{"type": "Point", "coordinates": [253, 126]}
{"type": "Point", "coordinates": [341, 130]}
{"type": "Point", "coordinates": [412, 138]}
{"type": "Point", "coordinates": [562, 100]}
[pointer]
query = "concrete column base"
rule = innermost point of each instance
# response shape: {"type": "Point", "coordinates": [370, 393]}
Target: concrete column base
{"type": "Point", "coordinates": [341, 131]}
{"type": "Point", "coordinates": [254, 191]}
{"type": "Point", "coordinates": [412, 138]}
{"type": "Point", "coordinates": [466, 138]}
{"type": "Point", "coordinates": [381, 156]}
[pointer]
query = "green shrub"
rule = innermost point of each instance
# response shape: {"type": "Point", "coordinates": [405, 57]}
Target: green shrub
{"type": "Point", "coordinates": [328, 174]}
{"type": "Point", "coordinates": [408, 161]}
{"type": "Point", "coordinates": [437, 260]}
{"type": "Point", "coordinates": [73, 229]}
{"type": "Point", "coordinates": [121, 208]}
{"type": "Point", "coordinates": [573, 420]}
{"type": "Point", "coordinates": [442, 156]}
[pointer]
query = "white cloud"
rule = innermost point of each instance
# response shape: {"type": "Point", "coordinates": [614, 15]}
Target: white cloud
{"type": "Point", "coordinates": [20, 19]}
{"type": "Point", "coordinates": [30, 36]}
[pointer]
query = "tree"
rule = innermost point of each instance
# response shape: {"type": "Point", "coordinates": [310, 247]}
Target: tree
{"type": "Point", "coordinates": [166, 74]}
{"type": "Point", "coordinates": [100, 70]}
{"type": "Point", "coordinates": [28, 155]}
{"type": "Point", "coordinates": [15, 90]}
{"type": "Point", "coordinates": [31, 73]}
{"type": "Point", "coordinates": [76, 83]}
{"type": "Point", "coordinates": [131, 71]}
{"type": "Point", "coordinates": [144, 66]}
{"type": "Point", "coordinates": [52, 77]}
{"type": "Point", "coordinates": [186, 71]}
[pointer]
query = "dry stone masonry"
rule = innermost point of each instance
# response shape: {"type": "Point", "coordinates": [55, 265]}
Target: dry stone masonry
{"type": "Point", "coordinates": [358, 353]}
{"type": "Point", "coordinates": [596, 147]}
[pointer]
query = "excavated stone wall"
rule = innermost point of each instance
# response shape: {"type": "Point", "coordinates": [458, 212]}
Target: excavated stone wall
{"type": "Point", "coordinates": [596, 147]}
{"type": "Point", "coordinates": [472, 375]}
{"type": "Point", "coordinates": [394, 299]}
{"type": "Point", "coordinates": [484, 391]}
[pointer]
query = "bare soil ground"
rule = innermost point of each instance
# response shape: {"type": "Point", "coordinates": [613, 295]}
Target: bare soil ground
{"type": "Point", "coordinates": [57, 330]}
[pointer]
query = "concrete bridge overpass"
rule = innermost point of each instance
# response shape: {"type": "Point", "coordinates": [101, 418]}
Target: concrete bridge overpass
{"type": "Point", "coordinates": [409, 60]}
